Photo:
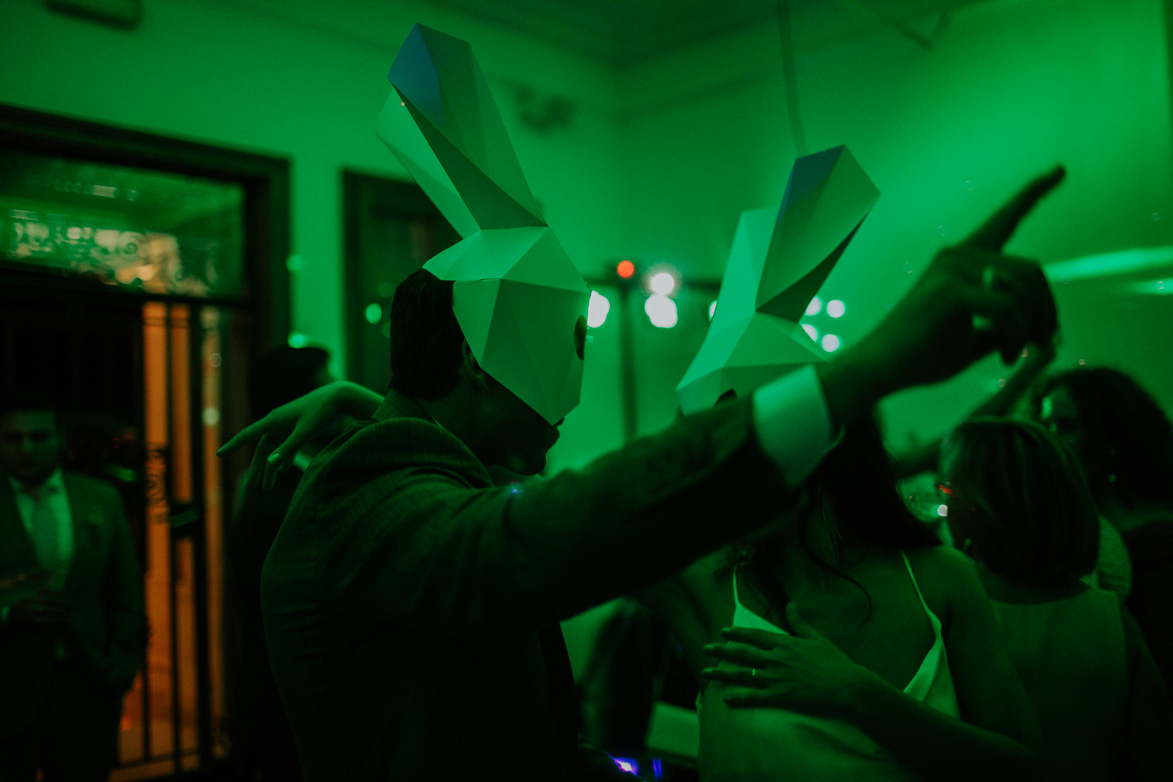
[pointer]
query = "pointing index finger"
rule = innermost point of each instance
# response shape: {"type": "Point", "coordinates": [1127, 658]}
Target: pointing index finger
{"type": "Point", "coordinates": [997, 230]}
{"type": "Point", "coordinates": [245, 436]}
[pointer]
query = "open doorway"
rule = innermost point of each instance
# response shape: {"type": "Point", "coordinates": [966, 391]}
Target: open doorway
{"type": "Point", "coordinates": [139, 276]}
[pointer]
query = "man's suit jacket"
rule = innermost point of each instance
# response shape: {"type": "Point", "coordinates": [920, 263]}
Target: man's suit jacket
{"type": "Point", "coordinates": [410, 605]}
{"type": "Point", "coordinates": [105, 630]}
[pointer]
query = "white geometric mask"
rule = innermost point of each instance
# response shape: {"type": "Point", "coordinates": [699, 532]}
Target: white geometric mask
{"type": "Point", "coordinates": [517, 296]}
{"type": "Point", "coordinates": [777, 264]}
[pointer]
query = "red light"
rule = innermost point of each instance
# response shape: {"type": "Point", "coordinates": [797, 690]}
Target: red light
{"type": "Point", "coordinates": [625, 269]}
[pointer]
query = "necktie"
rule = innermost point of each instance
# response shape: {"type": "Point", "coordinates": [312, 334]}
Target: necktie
{"type": "Point", "coordinates": [44, 534]}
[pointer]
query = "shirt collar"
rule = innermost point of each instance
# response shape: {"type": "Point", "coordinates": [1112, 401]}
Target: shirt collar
{"type": "Point", "coordinates": [54, 484]}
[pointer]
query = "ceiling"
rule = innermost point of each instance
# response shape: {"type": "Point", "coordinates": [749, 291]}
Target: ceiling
{"type": "Point", "coordinates": [624, 32]}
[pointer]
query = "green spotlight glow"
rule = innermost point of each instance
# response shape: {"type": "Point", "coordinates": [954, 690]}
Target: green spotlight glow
{"type": "Point", "coordinates": [297, 340]}
{"type": "Point", "coordinates": [374, 312]}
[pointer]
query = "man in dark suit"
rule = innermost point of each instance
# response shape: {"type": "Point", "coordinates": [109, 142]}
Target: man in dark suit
{"type": "Point", "coordinates": [69, 652]}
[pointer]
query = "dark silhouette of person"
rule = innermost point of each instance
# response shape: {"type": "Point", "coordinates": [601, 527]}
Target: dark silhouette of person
{"type": "Point", "coordinates": [1124, 442]}
{"type": "Point", "coordinates": [263, 746]}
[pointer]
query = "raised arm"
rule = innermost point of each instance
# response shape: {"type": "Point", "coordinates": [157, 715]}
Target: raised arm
{"type": "Point", "coordinates": [970, 301]}
{"type": "Point", "coordinates": [480, 556]}
{"type": "Point", "coordinates": [282, 433]}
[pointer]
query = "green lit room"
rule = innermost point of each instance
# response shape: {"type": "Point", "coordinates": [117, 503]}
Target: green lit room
{"type": "Point", "coordinates": [872, 362]}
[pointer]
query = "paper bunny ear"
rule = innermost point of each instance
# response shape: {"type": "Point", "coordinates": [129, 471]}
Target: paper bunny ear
{"type": "Point", "coordinates": [516, 294]}
{"type": "Point", "coordinates": [402, 136]}
{"type": "Point", "coordinates": [776, 265]}
{"type": "Point", "coordinates": [440, 84]}
{"type": "Point", "coordinates": [826, 200]}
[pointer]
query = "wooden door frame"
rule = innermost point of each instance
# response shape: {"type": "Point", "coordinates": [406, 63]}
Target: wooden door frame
{"type": "Point", "coordinates": [266, 184]}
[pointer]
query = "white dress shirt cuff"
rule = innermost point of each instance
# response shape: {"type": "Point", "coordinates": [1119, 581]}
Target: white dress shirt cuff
{"type": "Point", "coordinates": [793, 423]}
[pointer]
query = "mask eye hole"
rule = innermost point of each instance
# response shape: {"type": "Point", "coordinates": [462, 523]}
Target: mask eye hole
{"type": "Point", "coordinates": [580, 329]}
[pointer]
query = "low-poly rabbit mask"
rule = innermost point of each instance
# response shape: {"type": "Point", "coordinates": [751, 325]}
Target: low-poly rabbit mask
{"type": "Point", "coordinates": [519, 300]}
{"type": "Point", "coordinates": [777, 264]}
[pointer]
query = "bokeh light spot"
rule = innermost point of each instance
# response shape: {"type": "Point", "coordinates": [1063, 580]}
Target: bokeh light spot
{"type": "Point", "coordinates": [815, 307]}
{"type": "Point", "coordinates": [830, 343]}
{"type": "Point", "coordinates": [597, 310]}
{"type": "Point", "coordinates": [663, 283]}
{"type": "Point", "coordinates": [625, 269]}
{"type": "Point", "coordinates": [374, 312]}
{"type": "Point", "coordinates": [836, 308]}
{"type": "Point", "coordinates": [661, 311]}
{"type": "Point", "coordinates": [811, 330]}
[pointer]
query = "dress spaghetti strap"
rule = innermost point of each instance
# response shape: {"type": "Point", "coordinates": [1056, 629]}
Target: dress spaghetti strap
{"type": "Point", "coordinates": [915, 585]}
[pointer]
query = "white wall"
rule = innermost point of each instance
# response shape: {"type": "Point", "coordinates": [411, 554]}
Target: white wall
{"type": "Point", "coordinates": [1010, 88]}
{"type": "Point", "coordinates": [305, 81]}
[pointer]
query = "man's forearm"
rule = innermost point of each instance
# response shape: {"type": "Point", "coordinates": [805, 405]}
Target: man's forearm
{"type": "Point", "coordinates": [853, 383]}
{"type": "Point", "coordinates": [356, 400]}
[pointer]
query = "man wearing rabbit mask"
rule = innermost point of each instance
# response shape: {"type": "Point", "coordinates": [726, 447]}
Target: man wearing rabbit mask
{"type": "Point", "coordinates": [440, 372]}
{"type": "Point", "coordinates": [411, 606]}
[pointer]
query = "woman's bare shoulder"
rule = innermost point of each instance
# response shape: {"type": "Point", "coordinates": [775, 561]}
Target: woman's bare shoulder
{"type": "Point", "coordinates": [946, 577]}
{"type": "Point", "coordinates": [710, 570]}
{"type": "Point", "coordinates": [940, 561]}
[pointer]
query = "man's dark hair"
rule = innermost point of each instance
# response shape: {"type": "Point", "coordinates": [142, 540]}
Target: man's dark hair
{"type": "Point", "coordinates": [28, 403]}
{"type": "Point", "coordinates": [426, 341]}
{"type": "Point", "coordinates": [282, 375]}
